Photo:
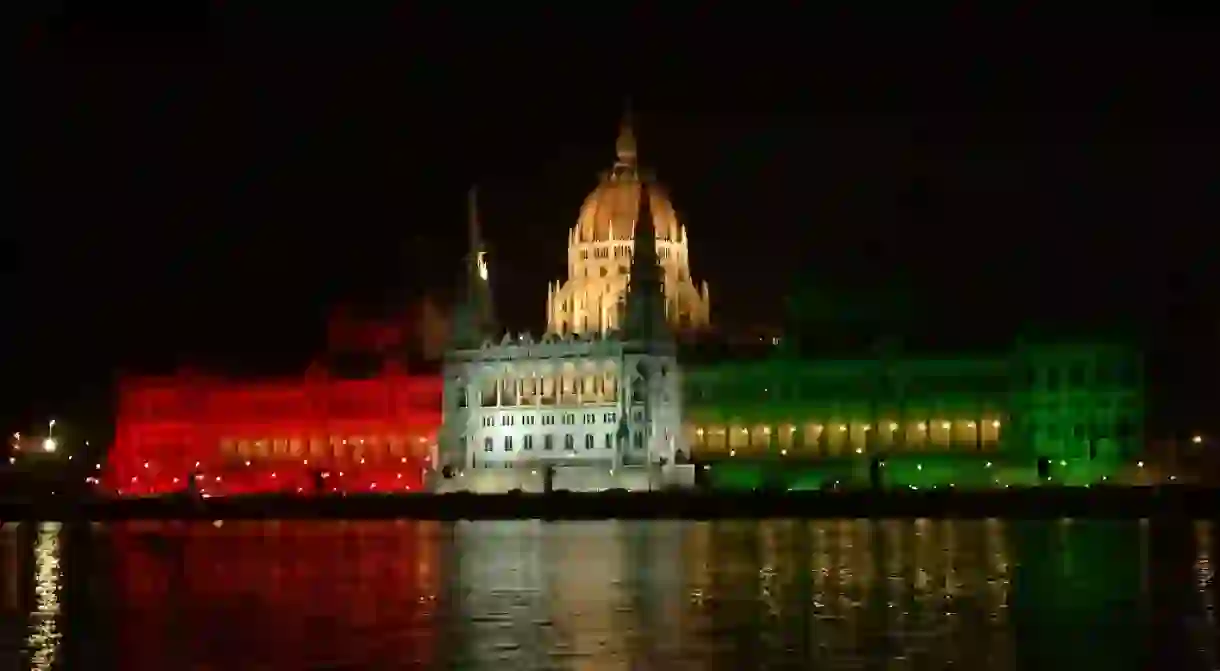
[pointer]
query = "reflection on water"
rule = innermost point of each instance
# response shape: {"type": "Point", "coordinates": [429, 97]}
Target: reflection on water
{"type": "Point", "coordinates": [831, 594]}
{"type": "Point", "coordinates": [43, 641]}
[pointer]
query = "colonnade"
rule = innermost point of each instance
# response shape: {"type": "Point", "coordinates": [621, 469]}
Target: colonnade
{"type": "Point", "coordinates": [374, 448]}
{"type": "Point", "coordinates": [830, 438]}
{"type": "Point", "coordinates": [570, 386]}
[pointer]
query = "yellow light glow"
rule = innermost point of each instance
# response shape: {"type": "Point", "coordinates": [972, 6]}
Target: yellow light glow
{"type": "Point", "coordinates": [923, 426]}
{"type": "Point", "coordinates": [995, 424]}
{"type": "Point", "coordinates": [481, 261]}
{"type": "Point", "coordinates": [945, 425]}
{"type": "Point", "coordinates": [44, 637]}
{"type": "Point", "coordinates": [893, 426]}
{"type": "Point", "coordinates": [783, 452]}
{"type": "Point", "coordinates": [1197, 439]}
{"type": "Point", "coordinates": [859, 450]}
{"type": "Point", "coordinates": [842, 428]}
{"type": "Point", "coordinates": [49, 445]}
{"type": "Point", "coordinates": [970, 425]}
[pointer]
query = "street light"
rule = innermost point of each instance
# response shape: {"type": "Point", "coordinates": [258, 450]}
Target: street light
{"type": "Point", "coordinates": [49, 445]}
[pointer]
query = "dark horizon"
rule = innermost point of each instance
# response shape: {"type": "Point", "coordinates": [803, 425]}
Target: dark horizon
{"type": "Point", "coordinates": [210, 195]}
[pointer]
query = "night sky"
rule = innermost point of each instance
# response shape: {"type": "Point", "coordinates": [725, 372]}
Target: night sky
{"type": "Point", "coordinates": [205, 189]}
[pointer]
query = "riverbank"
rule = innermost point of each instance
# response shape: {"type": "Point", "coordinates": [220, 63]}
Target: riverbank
{"type": "Point", "coordinates": [1013, 503]}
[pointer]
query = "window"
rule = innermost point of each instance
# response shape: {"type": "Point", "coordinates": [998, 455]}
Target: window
{"type": "Point", "coordinates": [488, 445]}
{"type": "Point", "coordinates": [528, 421]}
{"type": "Point", "coordinates": [462, 443]}
{"type": "Point", "coordinates": [461, 394]}
{"type": "Point", "coordinates": [590, 418]}
{"type": "Point", "coordinates": [639, 416]}
{"type": "Point", "coordinates": [548, 442]}
{"type": "Point", "coordinates": [609, 417]}
{"type": "Point", "coordinates": [527, 443]}
{"type": "Point", "coordinates": [569, 418]}
{"type": "Point", "coordinates": [569, 443]}
{"type": "Point", "coordinates": [589, 442]}
{"type": "Point", "coordinates": [548, 420]}
{"type": "Point", "coordinates": [506, 420]}
{"type": "Point", "coordinates": [1076, 375]}
{"type": "Point", "coordinates": [508, 443]}
{"type": "Point", "coordinates": [609, 441]}
{"type": "Point", "coordinates": [638, 440]}
{"type": "Point", "coordinates": [489, 421]}
{"type": "Point", "coordinates": [1052, 380]}
{"type": "Point", "coordinates": [1126, 429]}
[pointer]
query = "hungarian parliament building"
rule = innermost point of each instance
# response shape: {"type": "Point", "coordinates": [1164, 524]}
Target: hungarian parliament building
{"type": "Point", "coordinates": [605, 398]}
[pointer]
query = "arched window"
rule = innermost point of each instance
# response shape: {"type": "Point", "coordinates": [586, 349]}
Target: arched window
{"type": "Point", "coordinates": [488, 444]}
{"type": "Point", "coordinates": [569, 443]}
{"type": "Point", "coordinates": [588, 441]}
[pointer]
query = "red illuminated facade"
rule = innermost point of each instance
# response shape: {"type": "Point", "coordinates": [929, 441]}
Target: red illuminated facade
{"type": "Point", "coordinates": [288, 435]}
{"type": "Point", "coordinates": [284, 435]}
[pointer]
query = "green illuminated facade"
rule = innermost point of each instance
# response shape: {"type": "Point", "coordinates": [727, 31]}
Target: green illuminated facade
{"type": "Point", "coordinates": [1063, 414]}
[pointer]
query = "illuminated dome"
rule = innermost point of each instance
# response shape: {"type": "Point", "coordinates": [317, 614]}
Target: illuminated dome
{"type": "Point", "coordinates": [600, 248]}
{"type": "Point", "coordinates": [609, 212]}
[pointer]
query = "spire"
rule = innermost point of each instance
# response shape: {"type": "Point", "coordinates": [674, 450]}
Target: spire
{"type": "Point", "coordinates": [474, 235]}
{"type": "Point", "coordinates": [474, 320]}
{"type": "Point", "coordinates": [645, 318]}
{"type": "Point", "coordinates": [625, 145]}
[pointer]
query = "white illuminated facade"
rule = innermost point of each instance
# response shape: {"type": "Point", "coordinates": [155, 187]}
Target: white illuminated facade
{"type": "Point", "coordinates": [564, 411]}
{"type": "Point", "coordinates": [600, 247]}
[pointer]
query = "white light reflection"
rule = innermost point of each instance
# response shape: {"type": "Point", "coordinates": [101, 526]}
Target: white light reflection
{"type": "Point", "coordinates": [1205, 574]}
{"type": "Point", "coordinates": [43, 641]}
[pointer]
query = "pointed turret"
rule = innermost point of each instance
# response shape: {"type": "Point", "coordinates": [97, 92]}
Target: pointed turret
{"type": "Point", "coordinates": [645, 318]}
{"type": "Point", "coordinates": [474, 320]}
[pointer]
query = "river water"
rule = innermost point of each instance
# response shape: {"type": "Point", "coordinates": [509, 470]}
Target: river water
{"type": "Point", "coordinates": [734, 595]}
